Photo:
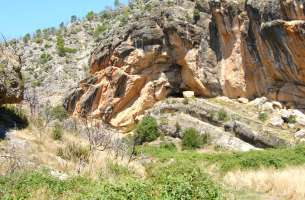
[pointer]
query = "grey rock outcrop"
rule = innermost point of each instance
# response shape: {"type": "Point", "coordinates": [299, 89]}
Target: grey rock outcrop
{"type": "Point", "coordinates": [11, 83]}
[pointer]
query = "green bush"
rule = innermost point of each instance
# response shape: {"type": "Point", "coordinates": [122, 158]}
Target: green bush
{"type": "Point", "coordinates": [222, 115]}
{"type": "Point", "coordinates": [47, 46]}
{"type": "Point", "coordinates": [99, 30]}
{"type": "Point", "coordinates": [60, 46]}
{"type": "Point", "coordinates": [262, 116]}
{"type": "Point", "coordinates": [147, 130]}
{"type": "Point", "coordinates": [57, 132]}
{"type": "Point", "coordinates": [38, 40]}
{"type": "Point", "coordinates": [183, 180]}
{"type": "Point", "coordinates": [44, 58]}
{"type": "Point", "coordinates": [292, 119]}
{"type": "Point", "coordinates": [192, 139]}
{"type": "Point", "coordinates": [58, 112]}
{"type": "Point", "coordinates": [90, 16]}
{"type": "Point", "coordinates": [26, 38]}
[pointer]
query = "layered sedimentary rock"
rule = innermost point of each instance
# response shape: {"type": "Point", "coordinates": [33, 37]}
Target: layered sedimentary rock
{"type": "Point", "coordinates": [11, 84]}
{"type": "Point", "coordinates": [212, 47]}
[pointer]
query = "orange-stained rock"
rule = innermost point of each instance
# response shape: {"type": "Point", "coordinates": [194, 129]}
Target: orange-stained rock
{"type": "Point", "coordinates": [232, 48]}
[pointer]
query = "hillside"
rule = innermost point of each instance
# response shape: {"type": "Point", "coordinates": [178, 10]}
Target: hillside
{"type": "Point", "coordinates": [214, 48]}
{"type": "Point", "coordinates": [56, 59]}
{"type": "Point", "coordinates": [160, 100]}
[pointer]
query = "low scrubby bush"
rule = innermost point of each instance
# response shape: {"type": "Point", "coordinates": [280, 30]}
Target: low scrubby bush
{"type": "Point", "coordinates": [222, 115]}
{"type": "Point", "coordinates": [192, 139]}
{"type": "Point", "coordinates": [57, 132]}
{"type": "Point", "coordinates": [262, 116]}
{"type": "Point", "coordinates": [44, 58]}
{"type": "Point", "coordinates": [292, 119]}
{"type": "Point", "coordinates": [146, 130]}
{"type": "Point", "coordinates": [58, 112]}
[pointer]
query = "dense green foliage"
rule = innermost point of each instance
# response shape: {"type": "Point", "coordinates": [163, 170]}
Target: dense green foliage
{"type": "Point", "coordinates": [147, 130]}
{"type": "Point", "coordinates": [292, 119]}
{"type": "Point", "coordinates": [26, 38]}
{"type": "Point", "coordinates": [90, 16]}
{"type": "Point", "coordinates": [171, 182]}
{"type": "Point", "coordinates": [192, 139]}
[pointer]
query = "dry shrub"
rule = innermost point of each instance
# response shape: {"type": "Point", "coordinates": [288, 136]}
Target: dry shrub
{"type": "Point", "coordinates": [74, 152]}
{"type": "Point", "coordinates": [286, 183]}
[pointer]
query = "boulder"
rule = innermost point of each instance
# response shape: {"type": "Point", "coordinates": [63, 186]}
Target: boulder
{"type": "Point", "coordinates": [300, 134]}
{"type": "Point", "coordinates": [277, 105]}
{"type": "Point", "coordinates": [268, 106]}
{"type": "Point", "coordinates": [188, 94]}
{"type": "Point", "coordinates": [243, 100]}
{"type": "Point", "coordinates": [259, 101]}
{"type": "Point", "coordinates": [277, 121]}
{"type": "Point", "coordinates": [262, 140]}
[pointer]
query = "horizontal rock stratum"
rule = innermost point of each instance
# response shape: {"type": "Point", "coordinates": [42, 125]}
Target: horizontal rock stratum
{"type": "Point", "coordinates": [212, 47]}
{"type": "Point", "coordinates": [11, 83]}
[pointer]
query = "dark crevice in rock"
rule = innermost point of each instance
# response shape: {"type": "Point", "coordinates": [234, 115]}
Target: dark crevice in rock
{"type": "Point", "coordinates": [121, 87]}
{"type": "Point", "coordinates": [87, 102]}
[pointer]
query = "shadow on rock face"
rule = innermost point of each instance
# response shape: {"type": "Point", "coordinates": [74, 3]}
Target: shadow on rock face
{"type": "Point", "coordinates": [11, 118]}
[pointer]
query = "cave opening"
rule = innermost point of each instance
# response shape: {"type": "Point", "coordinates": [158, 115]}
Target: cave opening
{"type": "Point", "coordinates": [174, 78]}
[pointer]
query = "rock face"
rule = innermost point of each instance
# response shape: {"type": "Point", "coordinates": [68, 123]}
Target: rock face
{"type": "Point", "coordinates": [11, 84]}
{"type": "Point", "coordinates": [232, 48]}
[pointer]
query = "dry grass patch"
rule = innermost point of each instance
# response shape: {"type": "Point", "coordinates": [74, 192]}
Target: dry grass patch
{"type": "Point", "coordinates": [286, 184]}
{"type": "Point", "coordinates": [70, 155]}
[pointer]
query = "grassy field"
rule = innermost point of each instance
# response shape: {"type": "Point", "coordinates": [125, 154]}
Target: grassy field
{"type": "Point", "coordinates": [163, 172]}
{"type": "Point", "coordinates": [172, 174]}
{"type": "Point", "coordinates": [170, 182]}
{"type": "Point", "coordinates": [228, 161]}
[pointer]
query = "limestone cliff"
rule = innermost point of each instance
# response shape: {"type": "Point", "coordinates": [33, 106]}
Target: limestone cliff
{"type": "Point", "coordinates": [11, 84]}
{"type": "Point", "coordinates": [212, 47]}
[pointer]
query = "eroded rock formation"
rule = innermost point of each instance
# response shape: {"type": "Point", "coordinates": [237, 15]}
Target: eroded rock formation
{"type": "Point", "coordinates": [212, 47]}
{"type": "Point", "coordinates": [11, 84]}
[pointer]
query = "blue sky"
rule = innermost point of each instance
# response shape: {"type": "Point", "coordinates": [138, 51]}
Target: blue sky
{"type": "Point", "coordinates": [18, 17]}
